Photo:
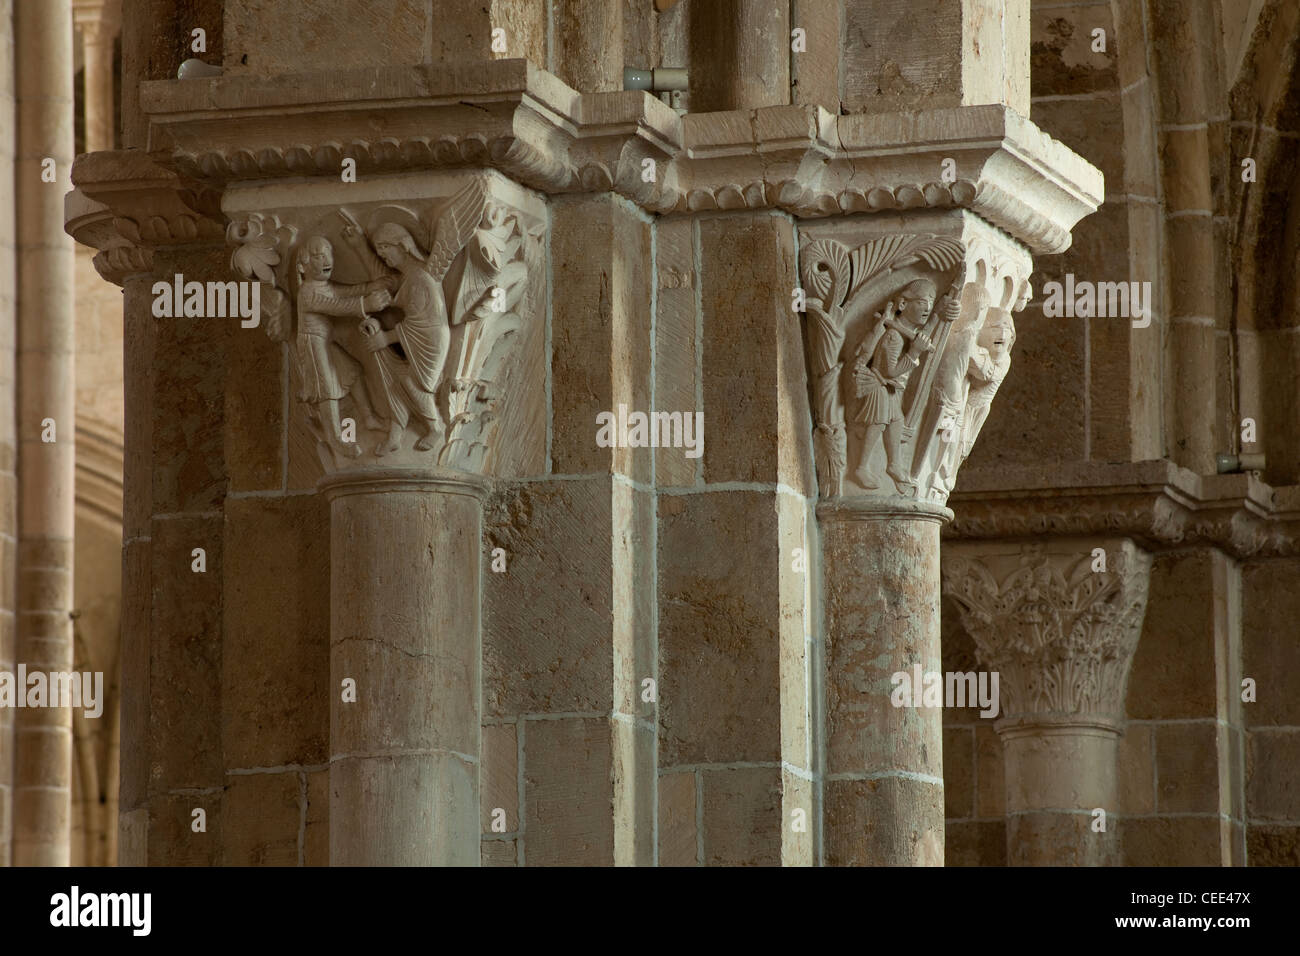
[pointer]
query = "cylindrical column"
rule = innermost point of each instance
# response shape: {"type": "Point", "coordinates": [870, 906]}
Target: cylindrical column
{"type": "Point", "coordinates": [1197, 313]}
{"type": "Point", "coordinates": [739, 54]}
{"type": "Point", "coordinates": [884, 763]}
{"type": "Point", "coordinates": [8, 417]}
{"type": "Point", "coordinates": [46, 389]}
{"type": "Point", "coordinates": [404, 668]}
{"type": "Point", "coordinates": [1058, 620]}
{"type": "Point", "coordinates": [1058, 774]}
{"type": "Point", "coordinates": [99, 23]}
{"type": "Point", "coordinates": [587, 39]}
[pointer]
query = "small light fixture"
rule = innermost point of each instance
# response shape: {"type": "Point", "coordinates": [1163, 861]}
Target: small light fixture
{"type": "Point", "coordinates": [1234, 464]}
{"type": "Point", "coordinates": [659, 80]}
{"type": "Point", "coordinates": [668, 83]}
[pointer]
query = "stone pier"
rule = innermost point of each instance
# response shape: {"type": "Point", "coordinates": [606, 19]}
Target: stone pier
{"type": "Point", "coordinates": [479, 631]}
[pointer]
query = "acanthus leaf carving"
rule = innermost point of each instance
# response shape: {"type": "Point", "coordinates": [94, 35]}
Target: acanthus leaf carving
{"type": "Point", "coordinates": [1060, 630]}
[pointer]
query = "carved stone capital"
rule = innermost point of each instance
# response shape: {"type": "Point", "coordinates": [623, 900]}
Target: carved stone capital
{"type": "Point", "coordinates": [126, 205]}
{"type": "Point", "coordinates": [405, 304]}
{"type": "Point", "coordinates": [91, 224]}
{"type": "Point", "coordinates": [1059, 621]}
{"type": "Point", "coordinates": [99, 20]}
{"type": "Point", "coordinates": [910, 332]}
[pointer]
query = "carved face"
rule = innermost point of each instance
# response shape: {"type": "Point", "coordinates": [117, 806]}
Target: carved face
{"type": "Point", "coordinates": [320, 259]}
{"type": "Point", "coordinates": [390, 252]}
{"type": "Point", "coordinates": [916, 306]}
{"type": "Point", "coordinates": [998, 337]}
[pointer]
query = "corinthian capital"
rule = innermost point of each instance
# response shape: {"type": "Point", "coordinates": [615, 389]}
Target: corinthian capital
{"type": "Point", "coordinates": [910, 333]}
{"type": "Point", "coordinates": [98, 20]}
{"type": "Point", "coordinates": [405, 311]}
{"type": "Point", "coordinates": [1059, 622]}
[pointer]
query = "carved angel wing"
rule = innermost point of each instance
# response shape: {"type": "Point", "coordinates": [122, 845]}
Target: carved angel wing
{"type": "Point", "coordinates": [459, 218]}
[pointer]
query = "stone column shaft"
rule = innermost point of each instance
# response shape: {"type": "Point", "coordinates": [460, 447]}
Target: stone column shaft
{"type": "Point", "coordinates": [587, 40]}
{"type": "Point", "coordinates": [910, 336]}
{"type": "Point", "coordinates": [910, 332]}
{"type": "Point", "coordinates": [739, 54]}
{"type": "Point", "coordinates": [98, 48]}
{"type": "Point", "coordinates": [99, 28]}
{"type": "Point", "coordinates": [884, 764]}
{"type": "Point", "coordinates": [1057, 775]}
{"type": "Point", "coordinates": [404, 626]}
{"type": "Point", "coordinates": [46, 391]}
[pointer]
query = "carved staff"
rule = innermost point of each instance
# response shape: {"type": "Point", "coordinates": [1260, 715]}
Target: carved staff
{"type": "Point", "coordinates": [947, 317]}
{"type": "Point", "coordinates": [374, 268]}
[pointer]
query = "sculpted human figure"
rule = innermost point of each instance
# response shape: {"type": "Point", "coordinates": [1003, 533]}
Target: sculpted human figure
{"type": "Point", "coordinates": [407, 385]}
{"type": "Point", "coordinates": [986, 376]}
{"type": "Point", "coordinates": [328, 372]}
{"type": "Point", "coordinates": [952, 385]}
{"type": "Point", "coordinates": [986, 370]}
{"type": "Point", "coordinates": [883, 363]}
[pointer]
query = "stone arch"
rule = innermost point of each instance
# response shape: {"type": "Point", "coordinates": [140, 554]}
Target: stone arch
{"type": "Point", "coordinates": [1264, 217]}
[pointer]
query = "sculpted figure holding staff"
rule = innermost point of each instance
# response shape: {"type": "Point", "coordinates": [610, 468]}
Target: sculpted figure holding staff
{"type": "Point", "coordinates": [883, 363]}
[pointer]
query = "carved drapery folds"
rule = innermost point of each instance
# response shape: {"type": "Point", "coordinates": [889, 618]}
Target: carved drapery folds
{"type": "Point", "coordinates": [1060, 626]}
{"type": "Point", "coordinates": [909, 338]}
{"type": "Point", "coordinates": [401, 317]}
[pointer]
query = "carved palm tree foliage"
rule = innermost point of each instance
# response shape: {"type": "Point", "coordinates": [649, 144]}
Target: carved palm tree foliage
{"type": "Point", "coordinates": [401, 317]}
{"type": "Point", "coordinates": [900, 329]}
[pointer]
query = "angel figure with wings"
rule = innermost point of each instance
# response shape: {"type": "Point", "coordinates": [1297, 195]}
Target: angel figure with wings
{"type": "Point", "coordinates": [407, 383]}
